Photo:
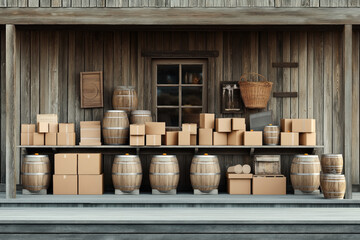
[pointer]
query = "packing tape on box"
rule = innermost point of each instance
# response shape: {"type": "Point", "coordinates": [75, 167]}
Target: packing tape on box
{"type": "Point", "coordinates": [292, 138]}
{"type": "Point", "coordinates": [67, 137]}
{"type": "Point", "coordinates": [91, 129]}
{"type": "Point", "coordinates": [303, 125]}
{"type": "Point", "coordinates": [28, 138]}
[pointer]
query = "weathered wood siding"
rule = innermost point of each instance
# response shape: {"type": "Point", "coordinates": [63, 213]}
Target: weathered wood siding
{"type": "Point", "coordinates": [50, 63]}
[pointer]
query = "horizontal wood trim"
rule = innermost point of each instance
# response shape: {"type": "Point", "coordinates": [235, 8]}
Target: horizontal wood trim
{"type": "Point", "coordinates": [183, 16]}
{"type": "Point", "coordinates": [180, 54]}
{"type": "Point", "coordinates": [285, 64]}
{"type": "Point", "coordinates": [285, 94]}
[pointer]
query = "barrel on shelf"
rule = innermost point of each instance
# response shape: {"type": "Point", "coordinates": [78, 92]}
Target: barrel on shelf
{"type": "Point", "coordinates": [164, 173]}
{"type": "Point", "coordinates": [140, 117]}
{"type": "Point", "coordinates": [35, 172]}
{"type": "Point", "coordinates": [125, 98]}
{"type": "Point", "coordinates": [332, 163]}
{"type": "Point", "coordinates": [271, 135]}
{"type": "Point", "coordinates": [115, 127]}
{"type": "Point", "coordinates": [305, 173]}
{"type": "Point", "coordinates": [333, 185]}
{"type": "Point", "coordinates": [205, 173]}
{"type": "Point", "coordinates": [127, 173]}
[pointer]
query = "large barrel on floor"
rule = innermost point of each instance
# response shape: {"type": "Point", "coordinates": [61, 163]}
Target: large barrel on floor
{"type": "Point", "coordinates": [164, 172]}
{"type": "Point", "coordinates": [140, 117]}
{"type": "Point", "coordinates": [125, 98]}
{"type": "Point", "coordinates": [305, 173]}
{"type": "Point", "coordinates": [127, 173]}
{"type": "Point", "coordinates": [333, 185]}
{"type": "Point", "coordinates": [332, 163]}
{"type": "Point", "coordinates": [271, 135]}
{"type": "Point", "coordinates": [35, 172]}
{"type": "Point", "coordinates": [115, 127]}
{"type": "Point", "coordinates": [205, 172]}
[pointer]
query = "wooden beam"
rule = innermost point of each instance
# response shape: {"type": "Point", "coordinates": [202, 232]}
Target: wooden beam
{"type": "Point", "coordinates": [180, 16]}
{"type": "Point", "coordinates": [12, 105]}
{"type": "Point", "coordinates": [347, 66]}
{"type": "Point", "coordinates": [180, 54]}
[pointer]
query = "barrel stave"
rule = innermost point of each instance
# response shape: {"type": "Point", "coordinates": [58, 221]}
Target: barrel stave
{"type": "Point", "coordinates": [35, 172]}
{"type": "Point", "coordinates": [205, 173]}
{"type": "Point", "coordinates": [127, 173]}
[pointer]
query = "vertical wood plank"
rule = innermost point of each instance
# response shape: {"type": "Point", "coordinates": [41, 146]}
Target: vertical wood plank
{"type": "Point", "coordinates": [76, 3]}
{"type": "Point", "coordinates": [117, 59]}
{"type": "Point", "coordinates": [25, 84]}
{"type": "Point", "coordinates": [62, 67]}
{"type": "Point", "coordinates": [3, 106]}
{"type": "Point", "coordinates": [98, 63]}
{"type": "Point", "coordinates": [294, 49]}
{"type": "Point", "coordinates": [230, 3]}
{"type": "Point", "coordinates": [272, 77]}
{"type": "Point", "coordinates": [79, 67]}
{"type": "Point", "coordinates": [228, 57]}
{"type": "Point", "coordinates": [88, 65]}
{"type": "Point", "coordinates": [3, 3]}
{"type": "Point", "coordinates": [333, 3]}
{"type": "Point", "coordinates": [66, 3]}
{"type": "Point", "coordinates": [12, 3]}
{"type": "Point", "coordinates": [72, 80]}
{"type": "Point", "coordinates": [254, 51]}
{"type": "Point", "coordinates": [54, 72]}
{"type": "Point", "coordinates": [34, 3]}
{"type": "Point", "coordinates": [22, 3]}
{"type": "Point", "coordinates": [355, 109]}
{"type": "Point", "coordinates": [310, 74]}
{"type": "Point", "coordinates": [125, 53]}
{"type": "Point", "coordinates": [219, 69]}
{"type": "Point", "coordinates": [303, 87]}
{"type": "Point", "coordinates": [210, 45]}
{"type": "Point", "coordinates": [133, 60]}
{"type": "Point", "coordinates": [353, 3]}
{"type": "Point", "coordinates": [44, 73]}
{"type": "Point", "coordinates": [45, 3]}
{"type": "Point", "coordinates": [286, 75]}
{"type": "Point", "coordinates": [100, 3]}
{"type": "Point", "coordinates": [85, 3]}
{"type": "Point", "coordinates": [17, 103]}
{"type": "Point", "coordinates": [56, 3]}
{"type": "Point", "coordinates": [140, 67]}
{"type": "Point", "coordinates": [35, 75]}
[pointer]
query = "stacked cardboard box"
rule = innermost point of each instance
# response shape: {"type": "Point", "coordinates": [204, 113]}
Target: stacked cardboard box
{"type": "Point", "coordinates": [65, 179]}
{"type": "Point", "coordinates": [238, 128]}
{"type": "Point", "coordinates": [154, 131]}
{"type": "Point", "coordinates": [269, 185]}
{"type": "Point", "coordinates": [298, 132]}
{"type": "Point", "coordinates": [137, 134]}
{"type": "Point", "coordinates": [27, 134]}
{"type": "Point", "coordinates": [90, 133]}
{"type": "Point", "coordinates": [207, 123]}
{"type": "Point", "coordinates": [90, 174]}
{"type": "Point", "coordinates": [188, 135]}
{"type": "Point", "coordinates": [171, 138]}
{"type": "Point", "coordinates": [66, 135]}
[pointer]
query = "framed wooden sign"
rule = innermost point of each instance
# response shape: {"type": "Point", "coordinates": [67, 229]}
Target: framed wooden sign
{"type": "Point", "coordinates": [91, 89]}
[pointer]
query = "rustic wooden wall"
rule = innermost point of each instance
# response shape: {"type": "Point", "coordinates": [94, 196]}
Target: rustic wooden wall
{"type": "Point", "coordinates": [50, 63]}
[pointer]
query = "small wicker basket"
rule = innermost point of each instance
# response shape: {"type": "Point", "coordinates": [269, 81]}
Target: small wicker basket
{"type": "Point", "coordinates": [255, 94]}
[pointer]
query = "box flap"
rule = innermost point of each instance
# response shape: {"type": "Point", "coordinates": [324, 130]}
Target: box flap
{"type": "Point", "coordinates": [239, 176]}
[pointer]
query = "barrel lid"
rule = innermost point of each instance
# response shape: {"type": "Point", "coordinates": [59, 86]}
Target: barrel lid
{"type": "Point", "coordinates": [35, 156]}
{"type": "Point", "coordinates": [142, 112]}
{"type": "Point", "coordinates": [166, 156]}
{"type": "Point", "coordinates": [122, 111]}
{"type": "Point", "coordinates": [126, 155]}
{"type": "Point", "coordinates": [306, 156]}
{"type": "Point", "coordinates": [274, 126]}
{"type": "Point", "coordinates": [125, 87]}
{"type": "Point", "coordinates": [331, 155]}
{"type": "Point", "coordinates": [205, 156]}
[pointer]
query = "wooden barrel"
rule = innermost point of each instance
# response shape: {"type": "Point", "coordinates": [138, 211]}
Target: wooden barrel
{"type": "Point", "coordinates": [205, 172]}
{"type": "Point", "coordinates": [140, 117]}
{"type": "Point", "coordinates": [271, 135]}
{"type": "Point", "coordinates": [305, 173]}
{"type": "Point", "coordinates": [164, 172]}
{"type": "Point", "coordinates": [333, 185]}
{"type": "Point", "coordinates": [126, 173]}
{"type": "Point", "coordinates": [125, 98]}
{"type": "Point", "coordinates": [35, 172]}
{"type": "Point", "coordinates": [115, 127]}
{"type": "Point", "coordinates": [332, 163]}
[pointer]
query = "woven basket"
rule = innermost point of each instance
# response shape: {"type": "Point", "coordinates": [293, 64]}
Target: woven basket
{"type": "Point", "coordinates": [255, 94]}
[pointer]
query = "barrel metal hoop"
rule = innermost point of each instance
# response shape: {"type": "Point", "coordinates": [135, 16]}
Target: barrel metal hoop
{"type": "Point", "coordinates": [116, 137]}
{"type": "Point", "coordinates": [126, 163]}
{"type": "Point", "coordinates": [205, 163]}
{"type": "Point", "coordinates": [36, 156]}
{"type": "Point", "coordinates": [306, 163]}
{"type": "Point", "coordinates": [162, 186]}
{"type": "Point", "coordinates": [334, 192]}
{"type": "Point", "coordinates": [121, 186]}
{"type": "Point", "coordinates": [34, 163]}
{"type": "Point", "coordinates": [32, 186]}
{"type": "Point", "coordinates": [34, 174]}
{"type": "Point", "coordinates": [115, 128]}
{"type": "Point", "coordinates": [164, 174]}
{"type": "Point", "coordinates": [173, 163]}
{"type": "Point", "coordinates": [306, 174]}
{"type": "Point", "coordinates": [127, 174]}
{"type": "Point", "coordinates": [204, 174]}
{"type": "Point", "coordinates": [208, 186]}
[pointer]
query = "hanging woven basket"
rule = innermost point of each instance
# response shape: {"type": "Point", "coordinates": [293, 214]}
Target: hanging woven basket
{"type": "Point", "coordinates": [255, 94]}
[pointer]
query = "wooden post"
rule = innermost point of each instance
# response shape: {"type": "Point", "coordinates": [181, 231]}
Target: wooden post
{"type": "Point", "coordinates": [11, 116]}
{"type": "Point", "coordinates": [347, 66]}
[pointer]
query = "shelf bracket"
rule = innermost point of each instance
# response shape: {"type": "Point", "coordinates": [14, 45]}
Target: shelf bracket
{"type": "Point", "coordinates": [196, 150]}
{"type": "Point", "coordinates": [137, 151]}
{"type": "Point", "coordinates": [252, 150]}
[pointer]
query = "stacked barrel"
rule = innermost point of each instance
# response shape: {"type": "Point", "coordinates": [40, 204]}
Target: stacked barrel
{"type": "Point", "coordinates": [333, 183]}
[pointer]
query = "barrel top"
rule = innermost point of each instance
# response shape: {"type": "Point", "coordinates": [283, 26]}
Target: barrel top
{"type": "Point", "coordinates": [118, 111]}
{"type": "Point", "coordinates": [125, 87]}
{"type": "Point", "coordinates": [331, 155]}
{"type": "Point", "coordinates": [306, 156]}
{"type": "Point", "coordinates": [205, 156]}
{"type": "Point", "coordinates": [142, 112]}
{"type": "Point", "coordinates": [126, 156]}
{"type": "Point", "coordinates": [36, 156]}
{"type": "Point", "coordinates": [272, 126]}
{"type": "Point", "coordinates": [164, 156]}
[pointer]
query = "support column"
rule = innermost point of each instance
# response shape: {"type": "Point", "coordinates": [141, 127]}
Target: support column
{"type": "Point", "coordinates": [347, 68]}
{"type": "Point", "coordinates": [11, 116]}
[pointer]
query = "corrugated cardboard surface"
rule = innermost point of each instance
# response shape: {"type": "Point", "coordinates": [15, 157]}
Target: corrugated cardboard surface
{"type": "Point", "coordinates": [239, 183]}
{"type": "Point", "coordinates": [39, 139]}
{"type": "Point", "coordinates": [65, 184]}
{"type": "Point", "coordinates": [171, 138]}
{"type": "Point", "coordinates": [65, 163]}
{"type": "Point", "coordinates": [205, 136]}
{"type": "Point", "coordinates": [220, 139]}
{"type": "Point", "coordinates": [269, 185]}
{"type": "Point", "coordinates": [253, 138]}
{"type": "Point", "coordinates": [307, 139]}
{"type": "Point", "coordinates": [184, 138]}
{"type": "Point", "coordinates": [91, 184]}
{"type": "Point", "coordinates": [238, 124]}
{"type": "Point", "coordinates": [207, 120]}
{"type": "Point", "coordinates": [66, 127]}
{"type": "Point", "coordinates": [27, 138]}
{"type": "Point", "coordinates": [50, 139]}
{"type": "Point", "coordinates": [155, 128]}
{"type": "Point", "coordinates": [153, 140]}
{"type": "Point", "coordinates": [303, 125]}
{"type": "Point", "coordinates": [66, 139]}
{"type": "Point", "coordinates": [223, 125]}
{"type": "Point", "coordinates": [289, 139]}
{"type": "Point", "coordinates": [137, 129]}
{"type": "Point", "coordinates": [137, 140]}
{"type": "Point", "coordinates": [236, 138]}
{"type": "Point", "coordinates": [189, 127]}
{"type": "Point", "coordinates": [27, 128]}
{"type": "Point", "coordinates": [89, 163]}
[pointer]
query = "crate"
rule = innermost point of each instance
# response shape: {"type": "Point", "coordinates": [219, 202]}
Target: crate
{"type": "Point", "coordinates": [267, 165]}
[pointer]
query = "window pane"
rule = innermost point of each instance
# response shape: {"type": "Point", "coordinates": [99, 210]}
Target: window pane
{"type": "Point", "coordinates": [191, 115]}
{"type": "Point", "coordinates": [192, 96]}
{"type": "Point", "coordinates": [169, 115]}
{"type": "Point", "coordinates": [168, 74]}
{"type": "Point", "coordinates": [168, 96]}
{"type": "Point", "coordinates": [192, 74]}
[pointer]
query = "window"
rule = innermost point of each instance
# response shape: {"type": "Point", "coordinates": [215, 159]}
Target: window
{"type": "Point", "coordinates": [180, 90]}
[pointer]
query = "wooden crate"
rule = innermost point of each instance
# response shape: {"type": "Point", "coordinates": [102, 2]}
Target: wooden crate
{"type": "Point", "coordinates": [91, 89]}
{"type": "Point", "coordinates": [267, 165]}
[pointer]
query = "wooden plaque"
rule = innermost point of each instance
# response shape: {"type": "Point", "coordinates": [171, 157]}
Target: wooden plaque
{"type": "Point", "coordinates": [91, 89]}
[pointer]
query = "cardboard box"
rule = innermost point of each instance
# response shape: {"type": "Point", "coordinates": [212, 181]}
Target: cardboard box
{"type": "Point", "coordinates": [205, 136]}
{"type": "Point", "coordinates": [65, 184]}
{"type": "Point", "coordinates": [65, 163]}
{"type": "Point", "coordinates": [171, 138]}
{"type": "Point", "coordinates": [193, 139]}
{"type": "Point", "coordinates": [220, 139]}
{"type": "Point", "coordinates": [307, 139]}
{"type": "Point", "coordinates": [239, 183]}
{"type": "Point", "coordinates": [90, 143]}
{"type": "Point", "coordinates": [137, 140]}
{"type": "Point", "coordinates": [66, 127]}
{"type": "Point", "coordinates": [27, 139]}
{"type": "Point", "coordinates": [153, 140]}
{"type": "Point", "coordinates": [269, 185]}
{"type": "Point", "coordinates": [253, 138]}
{"type": "Point", "coordinates": [207, 120]}
{"type": "Point", "coordinates": [238, 124]}
{"type": "Point", "coordinates": [89, 163]}
{"type": "Point", "coordinates": [90, 133]}
{"type": "Point", "coordinates": [155, 128]}
{"type": "Point", "coordinates": [48, 118]}
{"type": "Point", "coordinates": [223, 125]}
{"type": "Point", "coordinates": [137, 129]}
{"type": "Point", "coordinates": [286, 125]}
{"type": "Point", "coordinates": [38, 139]}
{"type": "Point", "coordinates": [27, 128]}
{"type": "Point", "coordinates": [289, 139]}
{"type": "Point", "coordinates": [53, 127]}
{"type": "Point", "coordinates": [184, 138]}
{"type": "Point", "coordinates": [50, 139]}
{"type": "Point", "coordinates": [91, 184]}
{"type": "Point", "coordinates": [190, 127]}
{"type": "Point", "coordinates": [66, 139]}
{"type": "Point", "coordinates": [236, 138]}
{"type": "Point", "coordinates": [303, 125]}
{"type": "Point", "coordinates": [43, 127]}
{"type": "Point", "coordinates": [90, 124]}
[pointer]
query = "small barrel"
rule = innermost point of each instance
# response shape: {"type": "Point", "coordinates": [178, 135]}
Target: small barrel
{"type": "Point", "coordinates": [333, 185]}
{"type": "Point", "coordinates": [164, 173]}
{"type": "Point", "coordinates": [140, 117]}
{"type": "Point", "coordinates": [126, 173]}
{"type": "Point", "coordinates": [305, 173]}
{"type": "Point", "coordinates": [271, 135]}
{"type": "Point", "coordinates": [115, 127]}
{"type": "Point", "coordinates": [125, 98]}
{"type": "Point", "coordinates": [332, 163]}
{"type": "Point", "coordinates": [205, 172]}
{"type": "Point", "coordinates": [35, 172]}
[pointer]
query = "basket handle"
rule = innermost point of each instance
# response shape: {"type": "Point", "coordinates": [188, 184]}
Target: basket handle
{"type": "Point", "coordinates": [243, 77]}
